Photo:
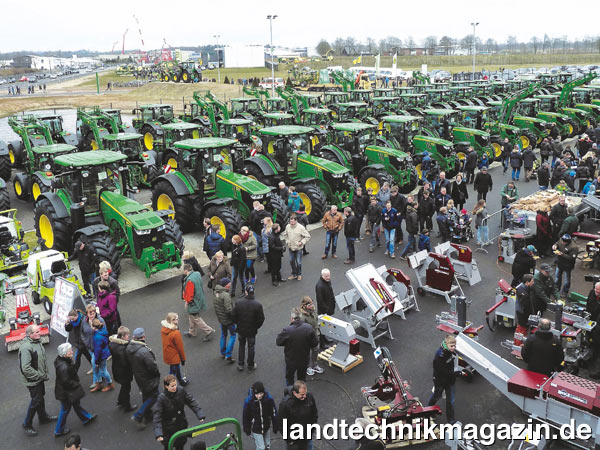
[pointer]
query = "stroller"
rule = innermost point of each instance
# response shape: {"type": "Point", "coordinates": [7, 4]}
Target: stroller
{"type": "Point", "coordinates": [460, 228]}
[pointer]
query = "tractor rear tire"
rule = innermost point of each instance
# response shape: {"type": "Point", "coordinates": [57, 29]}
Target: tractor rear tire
{"type": "Point", "coordinates": [408, 187]}
{"type": "Point", "coordinates": [278, 208]}
{"type": "Point", "coordinates": [4, 199]}
{"type": "Point", "coordinates": [228, 220]}
{"type": "Point", "coordinates": [149, 137]}
{"type": "Point", "coordinates": [176, 78]}
{"type": "Point", "coordinates": [314, 201]}
{"type": "Point", "coordinates": [163, 193]}
{"type": "Point", "coordinates": [20, 188]}
{"type": "Point", "coordinates": [166, 77]}
{"type": "Point", "coordinates": [55, 232]}
{"type": "Point", "coordinates": [37, 187]}
{"type": "Point", "coordinates": [374, 179]}
{"type": "Point", "coordinates": [186, 77]}
{"type": "Point", "coordinates": [103, 245]}
{"type": "Point", "coordinates": [153, 172]}
{"type": "Point", "coordinates": [5, 167]}
{"type": "Point", "coordinates": [89, 142]}
{"type": "Point", "coordinates": [173, 234]}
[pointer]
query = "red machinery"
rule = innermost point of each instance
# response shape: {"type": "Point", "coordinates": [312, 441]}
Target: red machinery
{"type": "Point", "coordinates": [23, 319]}
{"type": "Point", "coordinates": [435, 273]}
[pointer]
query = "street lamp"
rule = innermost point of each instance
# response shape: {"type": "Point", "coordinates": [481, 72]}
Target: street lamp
{"type": "Point", "coordinates": [474, 24]}
{"type": "Point", "coordinates": [217, 36]}
{"type": "Point", "coordinates": [271, 18]}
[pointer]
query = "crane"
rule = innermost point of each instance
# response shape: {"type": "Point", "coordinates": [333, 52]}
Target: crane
{"type": "Point", "coordinates": [123, 48]}
{"type": "Point", "coordinates": [113, 47]}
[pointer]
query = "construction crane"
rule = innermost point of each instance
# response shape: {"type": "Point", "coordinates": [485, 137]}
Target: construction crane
{"type": "Point", "coordinates": [123, 47]}
{"type": "Point", "coordinates": [113, 47]}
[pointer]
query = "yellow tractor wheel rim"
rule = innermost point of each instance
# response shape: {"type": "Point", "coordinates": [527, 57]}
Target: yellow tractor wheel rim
{"type": "Point", "coordinates": [307, 203]}
{"type": "Point", "coordinates": [538, 140]}
{"type": "Point", "coordinates": [149, 141]}
{"type": "Point", "coordinates": [372, 183]}
{"type": "Point", "coordinates": [497, 149]}
{"type": "Point", "coordinates": [166, 78]}
{"type": "Point", "coordinates": [18, 188]}
{"type": "Point", "coordinates": [46, 231]}
{"type": "Point", "coordinates": [461, 156]}
{"type": "Point", "coordinates": [172, 162]}
{"type": "Point", "coordinates": [419, 170]}
{"type": "Point", "coordinates": [94, 144]}
{"type": "Point", "coordinates": [11, 156]}
{"type": "Point", "coordinates": [185, 77]}
{"type": "Point", "coordinates": [164, 203]}
{"type": "Point", "coordinates": [216, 220]}
{"type": "Point", "coordinates": [36, 190]}
{"type": "Point", "coordinates": [570, 128]}
{"type": "Point", "coordinates": [524, 142]}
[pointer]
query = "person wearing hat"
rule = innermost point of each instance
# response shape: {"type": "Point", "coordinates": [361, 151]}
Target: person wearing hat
{"type": "Point", "coordinates": [544, 288]}
{"type": "Point", "coordinates": [566, 254]}
{"type": "Point", "coordinates": [248, 317]}
{"type": "Point", "coordinates": [542, 351]}
{"type": "Point", "coordinates": [259, 414]}
{"type": "Point", "coordinates": [524, 263]}
{"type": "Point", "coordinates": [483, 183]}
{"type": "Point", "coordinates": [224, 312]}
{"type": "Point", "coordinates": [87, 264]}
{"type": "Point", "coordinates": [146, 374]}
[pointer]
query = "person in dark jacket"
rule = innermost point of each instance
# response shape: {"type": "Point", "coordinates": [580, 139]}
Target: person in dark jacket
{"type": "Point", "coordinates": [169, 412]}
{"type": "Point", "coordinates": [506, 151]}
{"type": "Point", "coordinates": [545, 150]}
{"type": "Point", "coordinates": [412, 229]}
{"type": "Point", "coordinates": [224, 312]}
{"type": "Point", "coordinates": [389, 221]}
{"type": "Point", "coordinates": [106, 274]}
{"type": "Point", "coordinates": [558, 174]}
{"type": "Point", "coordinates": [374, 220]}
{"type": "Point", "coordinates": [248, 317]}
{"type": "Point", "coordinates": [566, 254]}
{"type": "Point", "coordinates": [558, 214]}
{"type": "Point", "coordinates": [146, 374]}
{"type": "Point", "coordinates": [213, 242]}
{"type": "Point", "coordinates": [458, 192]}
{"type": "Point", "coordinates": [297, 339]}
{"type": "Point", "coordinates": [442, 199]}
{"type": "Point", "coordinates": [258, 414]}
{"type": "Point", "coordinates": [87, 336]}
{"type": "Point", "coordinates": [189, 258]}
{"type": "Point", "coordinates": [399, 203]}
{"type": "Point", "coordinates": [557, 149]}
{"type": "Point", "coordinates": [238, 264]}
{"type": "Point", "coordinates": [441, 182]}
{"type": "Point", "coordinates": [443, 222]}
{"type": "Point", "coordinates": [299, 408]}
{"type": "Point", "coordinates": [528, 160]}
{"type": "Point", "coordinates": [483, 183]}
{"type": "Point", "coordinates": [324, 294]}
{"type": "Point", "coordinates": [542, 352]}
{"type": "Point", "coordinates": [68, 390]}
{"type": "Point", "coordinates": [543, 232]}
{"type": "Point", "coordinates": [87, 263]}
{"type": "Point", "coordinates": [359, 206]}
{"type": "Point", "coordinates": [352, 233]}
{"type": "Point", "coordinates": [73, 327]}
{"type": "Point", "coordinates": [424, 240]}
{"type": "Point", "coordinates": [302, 219]}
{"type": "Point", "coordinates": [107, 304]}
{"type": "Point", "coordinates": [524, 263]}
{"type": "Point", "coordinates": [470, 165]}
{"type": "Point", "coordinates": [101, 355]}
{"type": "Point", "coordinates": [276, 249]}
{"type": "Point", "coordinates": [257, 215]}
{"type": "Point", "coordinates": [425, 210]}
{"type": "Point", "coordinates": [524, 307]}
{"type": "Point", "coordinates": [544, 288]}
{"type": "Point", "coordinates": [516, 162]}
{"type": "Point", "coordinates": [543, 176]}
{"type": "Point", "coordinates": [444, 376]}
{"type": "Point", "coordinates": [592, 306]}
{"type": "Point", "coordinates": [570, 224]}
{"type": "Point", "coordinates": [122, 373]}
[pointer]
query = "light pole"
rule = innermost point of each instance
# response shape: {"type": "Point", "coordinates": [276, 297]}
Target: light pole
{"type": "Point", "coordinates": [217, 36]}
{"type": "Point", "coordinates": [474, 24]}
{"type": "Point", "coordinates": [271, 18]}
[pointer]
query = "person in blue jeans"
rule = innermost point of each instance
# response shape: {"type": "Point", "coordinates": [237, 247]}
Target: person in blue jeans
{"type": "Point", "coordinates": [444, 376]}
{"type": "Point", "coordinates": [389, 222]}
{"type": "Point", "coordinates": [68, 390]}
{"type": "Point", "coordinates": [333, 222]}
{"type": "Point", "coordinates": [412, 229]}
{"type": "Point", "coordinates": [516, 162]}
{"type": "Point", "coordinates": [224, 312]}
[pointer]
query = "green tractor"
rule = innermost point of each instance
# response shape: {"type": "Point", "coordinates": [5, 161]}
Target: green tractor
{"type": "Point", "coordinates": [32, 133]}
{"type": "Point", "coordinates": [149, 121]}
{"type": "Point", "coordinates": [206, 185]}
{"type": "Point", "coordinates": [94, 123]}
{"type": "Point", "coordinates": [90, 202]}
{"type": "Point", "coordinates": [579, 119]}
{"type": "Point", "coordinates": [174, 132]}
{"type": "Point", "coordinates": [245, 108]}
{"type": "Point", "coordinates": [320, 120]}
{"type": "Point", "coordinates": [277, 118]}
{"type": "Point", "coordinates": [287, 156]}
{"type": "Point", "coordinates": [143, 164]}
{"type": "Point", "coordinates": [54, 123]}
{"type": "Point", "coordinates": [530, 107]}
{"type": "Point", "coordinates": [354, 145]}
{"type": "Point", "coordinates": [187, 72]}
{"type": "Point", "coordinates": [39, 170]}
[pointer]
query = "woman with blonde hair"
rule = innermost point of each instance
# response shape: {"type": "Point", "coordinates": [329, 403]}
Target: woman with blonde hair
{"type": "Point", "coordinates": [265, 233]}
{"type": "Point", "coordinates": [172, 345]}
{"type": "Point", "coordinates": [218, 269]}
{"type": "Point", "coordinates": [250, 244]}
{"type": "Point", "coordinates": [309, 315]}
{"type": "Point", "coordinates": [481, 216]}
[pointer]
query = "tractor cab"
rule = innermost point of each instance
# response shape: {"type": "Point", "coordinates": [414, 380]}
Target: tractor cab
{"type": "Point", "coordinates": [474, 116]}
{"type": "Point", "coordinates": [440, 122]}
{"type": "Point", "coordinates": [275, 119]}
{"type": "Point", "coordinates": [412, 102]}
{"type": "Point", "coordinates": [154, 113]}
{"type": "Point", "coordinates": [317, 118]}
{"type": "Point", "coordinates": [547, 102]}
{"type": "Point", "coordinates": [46, 154]}
{"type": "Point", "coordinates": [309, 100]}
{"type": "Point", "coordinates": [174, 132]}
{"type": "Point", "coordinates": [143, 164]}
{"type": "Point", "coordinates": [361, 95]}
{"type": "Point", "coordinates": [499, 88]}
{"type": "Point", "coordinates": [383, 92]}
{"type": "Point", "coordinates": [529, 106]}
{"type": "Point", "coordinates": [129, 144]}
{"type": "Point", "coordinates": [236, 129]}
{"type": "Point", "coordinates": [438, 96]}
{"type": "Point", "coordinates": [401, 90]}
{"type": "Point", "coordinates": [277, 104]}
{"type": "Point", "coordinates": [383, 106]}
{"type": "Point", "coordinates": [422, 88]}
{"type": "Point", "coordinates": [283, 144]}
{"type": "Point", "coordinates": [351, 111]}
{"type": "Point", "coordinates": [334, 98]}
{"type": "Point", "coordinates": [581, 95]}
{"type": "Point", "coordinates": [54, 122]}
{"type": "Point", "coordinates": [462, 95]}
{"type": "Point", "coordinates": [245, 108]}
{"type": "Point", "coordinates": [398, 131]}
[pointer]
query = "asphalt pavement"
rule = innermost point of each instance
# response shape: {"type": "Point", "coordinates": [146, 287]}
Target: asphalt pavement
{"type": "Point", "coordinates": [220, 389]}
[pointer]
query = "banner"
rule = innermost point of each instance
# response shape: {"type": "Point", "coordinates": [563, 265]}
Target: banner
{"type": "Point", "coordinates": [357, 60]}
{"type": "Point", "coordinates": [66, 298]}
{"type": "Point", "coordinates": [395, 64]}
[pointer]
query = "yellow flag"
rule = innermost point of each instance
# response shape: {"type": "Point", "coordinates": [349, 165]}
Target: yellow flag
{"type": "Point", "coordinates": [357, 60]}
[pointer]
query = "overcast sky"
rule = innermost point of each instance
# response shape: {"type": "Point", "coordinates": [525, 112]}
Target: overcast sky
{"type": "Point", "coordinates": [97, 25]}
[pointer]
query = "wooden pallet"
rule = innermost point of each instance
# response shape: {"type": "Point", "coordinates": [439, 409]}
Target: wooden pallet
{"type": "Point", "coordinates": [370, 413]}
{"type": "Point", "coordinates": [325, 355]}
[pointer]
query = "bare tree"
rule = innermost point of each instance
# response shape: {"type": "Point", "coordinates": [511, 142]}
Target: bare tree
{"type": "Point", "coordinates": [511, 44]}
{"type": "Point", "coordinates": [491, 45]}
{"type": "Point", "coordinates": [467, 42]}
{"type": "Point", "coordinates": [535, 43]}
{"type": "Point", "coordinates": [546, 43]}
{"type": "Point", "coordinates": [323, 47]}
{"type": "Point", "coordinates": [352, 45]}
{"type": "Point", "coordinates": [446, 42]}
{"type": "Point", "coordinates": [338, 46]}
{"type": "Point", "coordinates": [430, 43]}
{"type": "Point", "coordinates": [371, 45]}
{"type": "Point", "coordinates": [410, 43]}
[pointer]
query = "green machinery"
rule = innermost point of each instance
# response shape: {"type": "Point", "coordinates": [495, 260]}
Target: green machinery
{"type": "Point", "coordinates": [320, 120]}
{"type": "Point", "coordinates": [361, 95]}
{"type": "Point", "coordinates": [187, 72]}
{"type": "Point", "coordinates": [90, 201]}
{"type": "Point", "coordinates": [206, 185]}
{"type": "Point", "coordinates": [287, 156]}
{"type": "Point", "coordinates": [588, 114]}
{"type": "Point", "coordinates": [578, 119]}
{"type": "Point", "coordinates": [39, 170]}
{"type": "Point", "coordinates": [384, 106]}
{"type": "Point", "coordinates": [230, 441]}
{"type": "Point", "coordinates": [245, 108]}
{"type": "Point", "coordinates": [344, 79]}
{"type": "Point", "coordinates": [149, 121]}
{"type": "Point", "coordinates": [54, 122]}
{"type": "Point", "coordinates": [93, 123]}
{"type": "Point", "coordinates": [354, 145]}
{"type": "Point", "coordinates": [174, 132]}
{"type": "Point", "coordinates": [202, 112]}
{"type": "Point", "coordinates": [530, 107]}
{"type": "Point", "coordinates": [143, 164]}
{"type": "Point", "coordinates": [14, 250]}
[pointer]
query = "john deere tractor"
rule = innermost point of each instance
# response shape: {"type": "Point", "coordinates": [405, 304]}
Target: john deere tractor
{"type": "Point", "coordinates": [187, 71]}
{"type": "Point", "coordinates": [149, 122]}
{"type": "Point", "coordinates": [32, 132]}
{"type": "Point", "coordinates": [530, 107]}
{"type": "Point", "coordinates": [90, 203]}
{"type": "Point", "coordinates": [287, 156]}
{"type": "Point", "coordinates": [355, 145]}
{"type": "Point", "coordinates": [143, 164]}
{"type": "Point", "coordinates": [206, 186]}
{"type": "Point", "coordinates": [174, 132]}
{"type": "Point", "coordinates": [54, 123]}
{"type": "Point", "coordinates": [93, 123]}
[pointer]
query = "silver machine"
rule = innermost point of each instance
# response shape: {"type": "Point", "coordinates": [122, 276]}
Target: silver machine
{"type": "Point", "coordinates": [343, 334]}
{"type": "Point", "coordinates": [511, 241]}
{"type": "Point", "coordinates": [374, 298]}
{"type": "Point", "coordinates": [461, 257]}
{"type": "Point", "coordinates": [555, 400]}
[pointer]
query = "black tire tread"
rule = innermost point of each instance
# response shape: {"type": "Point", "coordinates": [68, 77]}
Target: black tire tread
{"type": "Point", "coordinates": [60, 228]}
{"type": "Point", "coordinates": [230, 217]}
{"type": "Point", "coordinates": [381, 176]}
{"type": "Point", "coordinates": [148, 129]}
{"type": "Point", "coordinates": [4, 199]}
{"type": "Point", "coordinates": [184, 211]}
{"type": "Point", "coordinates": [317, 198]}
{"type": "Point", "coordinates": [277, 205]}
{"type": "Point", "coordinates": [106, 250]}
{"type": "Point", "coordinates": [5, 167]}
{"type": "Point", "coordinates": [174, 234]}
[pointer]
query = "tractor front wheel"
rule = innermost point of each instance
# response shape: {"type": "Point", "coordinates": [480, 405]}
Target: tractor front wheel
{"type": "Point", "coordinates": [314, 201]}
{"type": "Point", "coordinates": [413, 179]}
{"type": "Point", "coordinates": [47, 305]}
{"type": "Point", "coordinates": [105, 248]}
{"type": "Point", "coordinates": [164, 197]}
{"type": "Point", "coordinates": [154, 171]}
{"type": "Point", "coordinates": [4, 199]}
{"type": "Point", "coordinates": [5, 167]}
{"type": "Point", "coordinates": [149, 137]}
{"type": "Point", "coordinates": [497, 148]}
{"type": "Point", "coordinates": [173, 234]}
{"type": "Point", "coordinates": [227, 219]}
{"type": "Point", "coordinates": [55, 232]}
{"type": "Point", "coordinates": [279, 210]}
{"type": "Point", "coordinates": [20, 188]}
{"type": "Point", "coordinates": [176, 78]}
{"type": "Point", "coordinates": [374, 179]}
{"type": "Point", "coordinates": [37, 187]}
{"type": "Point", "coordinates": [185, 77]}
{"type": "Point", "coordinates": [166, 77]}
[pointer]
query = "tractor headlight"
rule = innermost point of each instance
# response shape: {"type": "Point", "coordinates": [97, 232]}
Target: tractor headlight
{"type": "Point", "coordinates": [257, 197]}
{"type": "Point", "coordinates": [338, 175]}
{"type": "Point", "coordinates": [47, 167]}
{"type": "Point", "coordinates": [142, 232]}
{"type": "Point", "coordinates": [161, 228]}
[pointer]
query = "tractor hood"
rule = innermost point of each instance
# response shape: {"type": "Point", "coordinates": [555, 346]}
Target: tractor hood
{"type": "Point", "coordinates": [434, 140]}
{"type": "Point", "coordinates": [530, 119]}
{"type": "Point", "coordinates": [390, 151]}
{"type": "Point", "coordinates": [243, 182]}
{"type": "Point", "coordinates": [139, 216]}
{"type": "Point", "coordinates": [471, 131]}
{"type": "Point", "coordinates": [323, 164]}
